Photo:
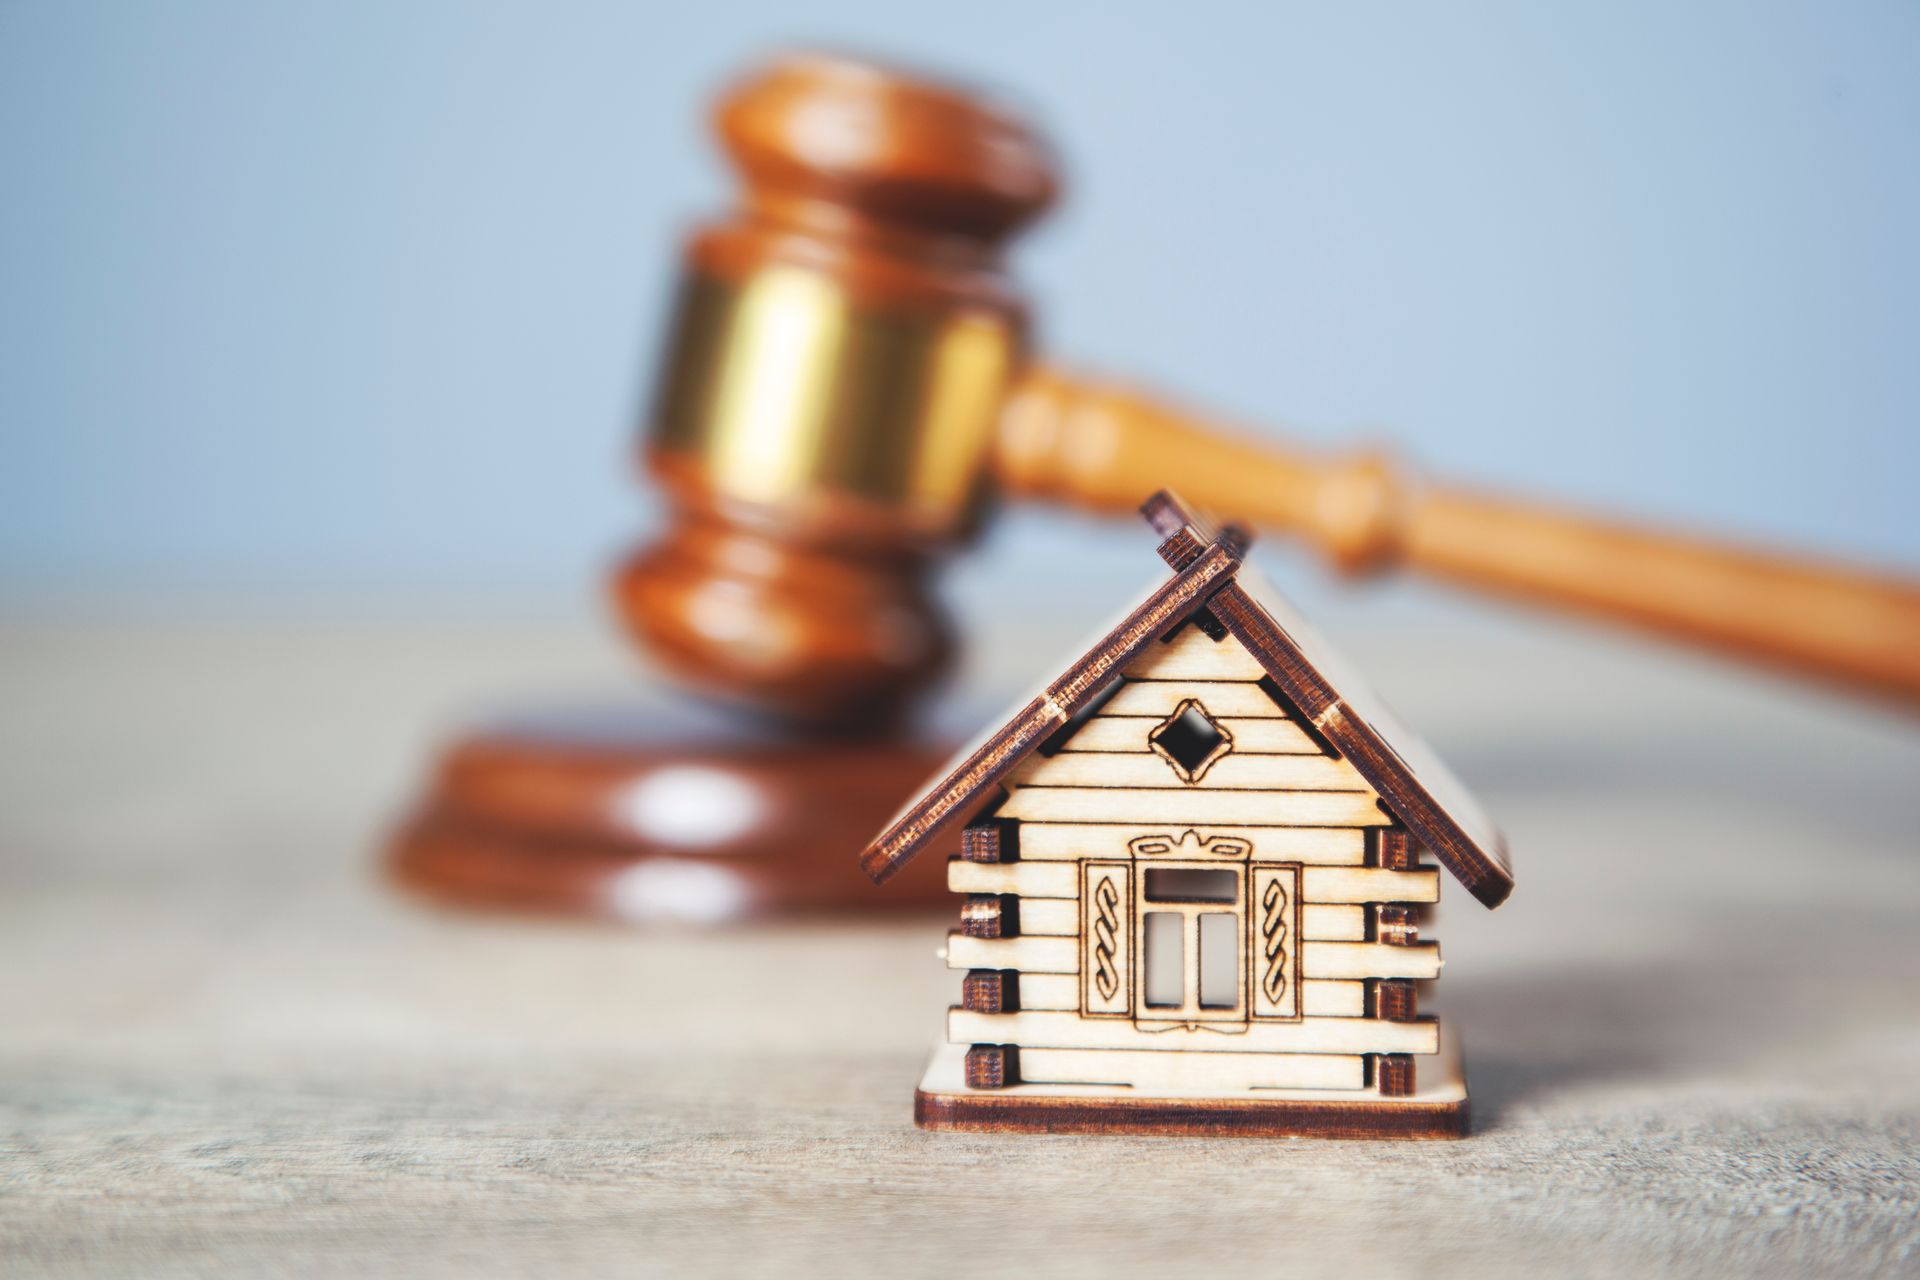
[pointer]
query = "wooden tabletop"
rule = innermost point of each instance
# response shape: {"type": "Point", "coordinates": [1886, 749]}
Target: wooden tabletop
{"type": "Point", "coordinates": [1693, 1034]}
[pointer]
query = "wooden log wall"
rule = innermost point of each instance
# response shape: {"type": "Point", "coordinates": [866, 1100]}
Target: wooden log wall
{"type": "Point", "coordinates": [1276, 789]}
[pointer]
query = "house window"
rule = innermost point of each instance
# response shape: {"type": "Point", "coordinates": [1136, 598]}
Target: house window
{"type": "Point", "coordinates": [1190, 740]}
{"type": "Point", "coordinates": [1165, 982]}
{"type": "Point", "coordinates": [1193, 884]}
{"type": "Point", "coordinates": [1192, 943]}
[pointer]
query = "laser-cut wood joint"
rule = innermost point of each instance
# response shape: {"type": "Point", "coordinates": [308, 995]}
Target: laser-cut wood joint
{"type": "Point", "coordinates": [982, 842]}
{"type": "Point", "coordinates": [1395, 1000]}
{"type": "Point", "coordinates": [992, 1066]}
{"type": "Point", "coordinates": [1194, 879]}
{"type": "Point", "coordinates": [1396, 925]}
{"type": "Point", "coordinates": [1393, 1075]}
{"type": "Point", "coordinates": [990, 991]}
{"type": "Point", "coordinates": [991, 915]}
{"type": "Point", "coordinates": [1395, 849]}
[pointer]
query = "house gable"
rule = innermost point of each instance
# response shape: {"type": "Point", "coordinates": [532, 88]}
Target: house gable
{"type": "Point", "coordinates": [1087, 752]}
{"type": "Point", "coordinates": [1121, 763]}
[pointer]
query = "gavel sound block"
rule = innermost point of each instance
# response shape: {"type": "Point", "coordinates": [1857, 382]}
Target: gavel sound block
{"type": "Point", "coordinates": [649, 816]}
{"type": "Point", "coordinates": [846, 391]}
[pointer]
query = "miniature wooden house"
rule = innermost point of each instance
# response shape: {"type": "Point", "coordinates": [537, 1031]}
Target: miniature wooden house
{"type": "Point", "coordinates": [1194, 878]}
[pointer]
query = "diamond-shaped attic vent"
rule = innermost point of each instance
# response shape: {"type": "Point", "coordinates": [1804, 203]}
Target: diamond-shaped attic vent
{"type": "Point", "coordinates": [1190, 740]}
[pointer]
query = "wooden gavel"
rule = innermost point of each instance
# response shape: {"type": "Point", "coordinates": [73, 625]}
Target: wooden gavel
{"type": "Point", "coordinates": [847, 385]}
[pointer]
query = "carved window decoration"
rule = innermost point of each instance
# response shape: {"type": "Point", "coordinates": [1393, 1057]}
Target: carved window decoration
{"type": "Point", "coordinates": [1275, 950]}
{"type": "Point", "coordinates": [1190, 740]}
{"type": "Point", "coordinates": [1188, 844]}
{"type": "Point", "coordinates": [1106, 959]}
{"type": "Point", "coordinates": [1190, 939]}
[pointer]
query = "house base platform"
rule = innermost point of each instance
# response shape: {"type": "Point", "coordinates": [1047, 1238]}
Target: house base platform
{"type": "Point", "coordinates": [1438, 1109]}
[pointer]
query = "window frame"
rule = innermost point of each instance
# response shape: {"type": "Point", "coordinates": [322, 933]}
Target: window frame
{"type": "Point", "coordinates": [1190, 1010]}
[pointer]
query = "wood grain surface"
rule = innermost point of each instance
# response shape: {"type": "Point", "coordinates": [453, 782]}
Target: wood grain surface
{"type": "Point", "coordinates": [1099, 445]}
{"type": "Point", "coordinates": [1694, 1041]}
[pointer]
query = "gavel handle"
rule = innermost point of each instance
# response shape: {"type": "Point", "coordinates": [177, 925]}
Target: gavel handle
{"type": "Point", "coordinates": [1102, 448]}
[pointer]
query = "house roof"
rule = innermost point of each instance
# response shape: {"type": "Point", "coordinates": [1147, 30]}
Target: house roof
{"type": "Point", "coordinates": [1209, 571]}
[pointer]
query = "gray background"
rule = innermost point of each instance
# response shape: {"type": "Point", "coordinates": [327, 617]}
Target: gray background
{"type": "Point", "coordinates": [352, 305]}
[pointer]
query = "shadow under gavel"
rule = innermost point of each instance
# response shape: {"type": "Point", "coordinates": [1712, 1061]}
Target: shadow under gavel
{"type": "Point", "coordinates": [847, 386]}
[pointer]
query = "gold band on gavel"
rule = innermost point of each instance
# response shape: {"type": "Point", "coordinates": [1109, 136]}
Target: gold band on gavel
{"type": "Point", "coordinates": [783, 386]}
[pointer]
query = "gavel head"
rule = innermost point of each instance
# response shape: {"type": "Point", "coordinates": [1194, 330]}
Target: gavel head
{"type": "Point", "coordinates": [840, 350]}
